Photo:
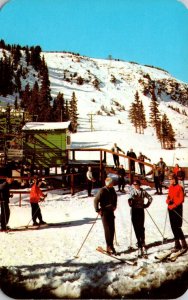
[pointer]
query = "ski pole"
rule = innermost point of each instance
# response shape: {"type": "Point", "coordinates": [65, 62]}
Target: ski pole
{"type": "Point", "coordinates": [115, 238]}
{"type": "Point", "coordinates": [3, 215]}
{"type": "Point", "coordinates": [76, 256]}
{"type": "Point", "coordinates": [165, 225]}
{"type": "Point", "coordinates": [32, 217]}
{"type": "Point", "coordinates": [130, 247]}
{"type": "Point", "coordinates": [180, 216]}
{"type": "Point", "coordinates": [154, 223]}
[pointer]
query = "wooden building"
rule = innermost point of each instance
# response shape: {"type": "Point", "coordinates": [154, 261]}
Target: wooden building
{"type": "Point", "coordinates": [45, 143]}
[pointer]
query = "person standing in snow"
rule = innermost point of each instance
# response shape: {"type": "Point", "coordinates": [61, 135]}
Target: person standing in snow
{"type": "Point", "coordinates": [90, 180]}
{"type": "Point", "coordinates": [162, 165]}
{"type": "Point", "coordinates": [175, 201]}
{"type": "Point", "coordinates": [4, 199]}
{"type": "Point", "coordinates": [136, 202]}
{"type": "Point", "coordinates": [142, 157]}
{"type": "Point", "coordinates": [105, 203]}
{"type": "Point", "coordinates": [36, 195]}
{"type": "Point", "coordinates": [116, 149]}
{"type": "Point", "coordinates": [181, 176]}
{"type": "Point", "coordinates": [131, 154]}
{"type": "Point", "coordinates": [156, 173]}
{"type": "Point", "coordinates": [121, 179]}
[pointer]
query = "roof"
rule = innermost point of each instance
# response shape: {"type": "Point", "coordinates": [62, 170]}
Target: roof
{"type": "Point", "coordinates": [42, 126]}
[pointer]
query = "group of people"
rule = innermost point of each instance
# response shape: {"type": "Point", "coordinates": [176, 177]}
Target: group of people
{"type": "Point", "coordinates": [105, 203]}
{"type": "Point", "coordinates": [36, 195]}
{"type": "Point", "coordinates": [141, 157]}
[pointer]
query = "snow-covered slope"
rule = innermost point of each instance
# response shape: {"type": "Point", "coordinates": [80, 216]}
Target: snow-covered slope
{"type": "Point", "coordinates": [118, 83]}
{"type": "Point", "coordinates": [106, 88]}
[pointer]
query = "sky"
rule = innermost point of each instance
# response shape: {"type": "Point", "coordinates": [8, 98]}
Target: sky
{"type": "Point", "coordinates": [151, 32]}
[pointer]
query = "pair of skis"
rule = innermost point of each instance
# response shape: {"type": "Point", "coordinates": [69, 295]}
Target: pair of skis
{"type": "Point", "coordinates": [103, 251]}
{"type": "Point", "coordinates": [170, 256]}
{"type": "Point", "coordinates": [35, 227]}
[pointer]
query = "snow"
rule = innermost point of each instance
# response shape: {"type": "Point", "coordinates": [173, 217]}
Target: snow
{"type": "Point", "coordinates": [45, 125]}
{"type": "Point", "coordinates": [45, 259]}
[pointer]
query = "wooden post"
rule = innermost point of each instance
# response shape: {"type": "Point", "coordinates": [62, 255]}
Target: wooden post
{"type": "Point", "coordinates": [72, 183]}
{"type": "Point", "coordinates": [130, 173]}
{"type": "Point", "coordinates": [20, 200]}
{"type": "Point", "coordinates": [73, 154]}
{"type": "Point", "coordinates": [101, 169]}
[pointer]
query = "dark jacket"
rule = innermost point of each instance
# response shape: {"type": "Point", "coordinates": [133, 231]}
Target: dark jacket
{"type": "Point", "coordinates": [181, 175]}
{"type": "Point", "coordinates": [137, 200]}
{"type": "Point", "coordinates": [106, 199]}
{"type": "Point", "coordinates": [4, 192]}
{"type": "Point", "coordinates": [131, 154]}
{"type": "Point", "coordinates": [121, 172]}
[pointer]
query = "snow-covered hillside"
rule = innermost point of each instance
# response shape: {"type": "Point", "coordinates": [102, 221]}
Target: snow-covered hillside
{"type": "Point", "coordinates": [119, 82]}
{"type": "Point", "coordinates": [106, 88]}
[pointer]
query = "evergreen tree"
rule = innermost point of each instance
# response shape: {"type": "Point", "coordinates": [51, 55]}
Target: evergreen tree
{"type": "Point", "coordinates": [35, 58]}
{"type": "Point", "coordinates": [155, 114]}
{"type": "Point", "coordinates": [45, 98]}
{"type": "Point", "coordinates": [137, 115]}
{"type": "Point", "coordinates": [27, 55]}
{"type": "Point", "coordinates": [33, 107]}
{"type": "Point", "coordinates": [67, 115]}
{"type": "Point", "coordinates": [16, 55]}
{"type": "Point", "coordinates": [59, 114]}
{"type": "Point", "coordinates": [167, 136]}
{"type": "Point", "coordinates": [143, 122]}
{"type": "Point", "coordinates": [25, 97]}
{"type": "Point", "coordinates": [73, 112]}
{"type": "Point", "coordinates": [6, 76]}
{"type": "Point", "coordinates": [16, 103]}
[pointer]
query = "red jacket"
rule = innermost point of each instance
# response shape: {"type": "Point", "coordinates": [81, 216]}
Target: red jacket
{"type": "Point", "coordinates": [175, 170]}
{"type": "Point", "coordinates": [175, 196]}
{"type": "Point", "coordinates": [35, 194]}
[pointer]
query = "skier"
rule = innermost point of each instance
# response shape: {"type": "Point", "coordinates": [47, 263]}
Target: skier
{"type": "Point", "coordinates": [132, 154]}
{"type": "Point", "coordinates": [175, 201]}
{"type": "Point", "coordinates": [142, 157]}
{"type": "Point", "coordinates": [90, 180]}
{"type": "Point", "coordinates": [121, 178]}
{"type": "Point", "coordinates": [161, 164]}
{"type": "Point", "coordinates": [105, 203]}
{"type": "Point", "coordinates": [156, 172]}
{"type": "Point", "coordinates": [181, 177]}
{"type": "Point", "coordinates": [4, 199]}
{"type": "Point", "coordinates": [136, 202]}
{"type": "Point", "coordinates": [36, 195]}
{"type": "Point", "coordinates": [116, 149]}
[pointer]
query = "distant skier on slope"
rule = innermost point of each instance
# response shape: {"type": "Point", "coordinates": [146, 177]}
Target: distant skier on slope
{"type": "Point", "coordinates": [136, 202]}
{"type": "Point", "coordinates": [175, 201]}
{"type": "Point", "coordinates": [105, 203]}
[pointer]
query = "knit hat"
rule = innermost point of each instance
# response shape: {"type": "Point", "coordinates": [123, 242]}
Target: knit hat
{"type": "Point", "coordinates": [108, 181]}
{"type": "Point", "coordinates": [137, 182]}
